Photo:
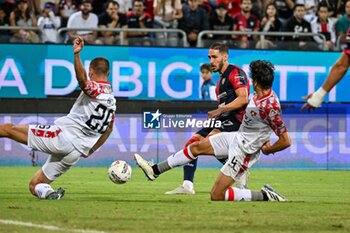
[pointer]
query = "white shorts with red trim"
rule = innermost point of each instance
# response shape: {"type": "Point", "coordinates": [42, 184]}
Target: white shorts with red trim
{"type": "Point", "coordinates": [238, 162]}
{"type": "Point", "coordinates": [50, 139]}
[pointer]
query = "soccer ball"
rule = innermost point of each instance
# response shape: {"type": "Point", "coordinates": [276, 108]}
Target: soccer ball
{"type": "Point", "coordinates": [119, 172]}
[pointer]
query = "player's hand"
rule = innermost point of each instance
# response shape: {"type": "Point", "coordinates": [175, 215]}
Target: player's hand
{"type": "Point", "coordinates": [84, 156]}
{"type": "Point", "coordinates": [214, 113]}
{"type": "Point", "coordinates": [266, 148]}
{"type": "Point", "coordinates": [308, 106]}
{"type": "Point", "coordinates": [314, 100]}
{"type": "Point", "coordinates": [78, 44]}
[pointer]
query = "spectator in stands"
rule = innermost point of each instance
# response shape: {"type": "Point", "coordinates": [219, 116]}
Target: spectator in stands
{"type": "Point", "coordinates": [8, 6]}
{"type": "Point", "coordinates": [323, 25]}
{"type": "Point", "coordinates": [21, 16]}
{"type": "Point", "coordinates": [40, 4]}
{"type": "Point", "coordinates": [342, 25]}
{"type": "Point", "coordinates": [66, 9]}
{"type": "Point", "coordinates": [138, 18]}
{"type": "Point", "coordinates": [335, 8]}
{"type": "Point", "coordinates": [83, 19]}
{"type": "Point", "coordinates": [233, 6]}
{"type": "Point", "coordinates": [310, 9]}
{"type": "Point", "coordinates": [195, 19]}
{"type": "Point", "coordinates": [270, 23]}
{"type": "Point", "coordinates": [220, 20]}
{"type": "Point", "coordinates": [298, 24]}
{"type": "Point", "coordinates": [245, 22]}
{"type": "Point", "coordinates": [166, 16]}
{"type": "Point", "coordinates": [284, 9]}
{"type": "Point", "coordinates": [4, 34]}
{"type": "Point", "coordinates": [49, 23]}
{"type": "Point", "coordinates": [112, 18]}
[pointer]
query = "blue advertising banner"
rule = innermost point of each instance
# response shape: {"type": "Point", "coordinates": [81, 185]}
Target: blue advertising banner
{"type": "Point", "coordinates": [319, 140]}
{"type": "Point", "coordinates": [37, 71]}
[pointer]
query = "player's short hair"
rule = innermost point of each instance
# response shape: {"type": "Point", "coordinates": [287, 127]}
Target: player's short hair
{"type": "Point", "coordinates": [219, 46]}
{"type": "Point", "coordinates": [205, 67]}
{"type": "Point", "coordinates": [262, 72]}
{"type": "Point", "coordinates": [100, 65]}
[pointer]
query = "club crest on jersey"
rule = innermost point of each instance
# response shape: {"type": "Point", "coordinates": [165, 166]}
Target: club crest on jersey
{"type": "Point", "coordinates": [253, 113]}
{"type": "Point", "coordinates": [223, 81]}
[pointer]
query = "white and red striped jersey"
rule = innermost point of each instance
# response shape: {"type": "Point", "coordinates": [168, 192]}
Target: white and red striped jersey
{"type": "Point", "coordinates": [262, 117]}
{"type": "Point", "coordinates": [90, 116]}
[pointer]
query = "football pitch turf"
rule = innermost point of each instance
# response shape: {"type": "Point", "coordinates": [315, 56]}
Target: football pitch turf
{"type": "Point", "coordinates": [319, 202]}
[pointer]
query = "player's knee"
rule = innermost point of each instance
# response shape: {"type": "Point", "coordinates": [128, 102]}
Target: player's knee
{"type": "Point", "coordinates": [216, 194]}
{"type": "Point", "coordinates": [195, 148]}
{"type": "Point", "coordinates": [192, 140]}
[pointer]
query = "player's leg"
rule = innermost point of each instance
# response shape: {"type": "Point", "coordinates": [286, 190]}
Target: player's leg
{"type": "Point", "coordinates": [232, 125]}
{"type": "Point", "coordinates": [55, 166]}
{"type": "Point", "coordinates": [235, 167]}
{"type": "Point", "coordinates": [189, 169]}
{"type": "Point", "coordinates": [18, 133]}
{"type": "Point", "coordinates": [180, 158]}
{"type": "Point", "coordinates": [222, 191]}
{"type": "Point", "coordinates": [50, 140]}
{"type": "Point", "coordinates": [39, 185]}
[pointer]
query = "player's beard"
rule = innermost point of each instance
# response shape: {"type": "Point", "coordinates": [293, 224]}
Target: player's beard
{"type": "Point", "coordinates": [221, 64]}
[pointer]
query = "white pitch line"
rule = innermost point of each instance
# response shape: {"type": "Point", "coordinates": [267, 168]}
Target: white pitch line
{"type": "Point", "coordinates": [46, 227]}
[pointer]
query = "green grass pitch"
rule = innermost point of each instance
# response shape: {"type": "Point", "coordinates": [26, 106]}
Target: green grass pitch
{"type": "Point", "coordinates": [319, 202]}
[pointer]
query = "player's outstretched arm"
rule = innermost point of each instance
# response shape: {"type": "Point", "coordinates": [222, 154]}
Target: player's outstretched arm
{"type": "Point", "coordinates": [339, 69]}
{"type": "Point", "coordinates": [80, 72]}
{"type": "Point", "coordinates": [282, 143]}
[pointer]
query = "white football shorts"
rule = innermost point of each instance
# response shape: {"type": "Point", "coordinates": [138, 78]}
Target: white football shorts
{"type": "Point", "coordinates": [50, 139]}
{"type": "Point", "coordinates": [238, 162]}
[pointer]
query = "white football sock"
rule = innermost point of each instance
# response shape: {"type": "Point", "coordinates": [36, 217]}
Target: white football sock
{"type": "Point", "coordinates": [42, 190]}
{"type": "Point", "coordinates": [187, 184]}
{"type": "Point", "coordinates": [235, 194]}
{"type": "Point", "coordinates": [178, 159]}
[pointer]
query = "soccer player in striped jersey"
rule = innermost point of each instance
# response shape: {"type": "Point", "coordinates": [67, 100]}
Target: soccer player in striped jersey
{"type": "Point", "coordinates": [262, 117]}
{"type": "Point", "coordinates": [86, 127]}
{"type": "Point", "coordinates": [232, 90]}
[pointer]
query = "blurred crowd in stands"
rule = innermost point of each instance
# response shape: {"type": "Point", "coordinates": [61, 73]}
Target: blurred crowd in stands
{"type": "Point", "coordinates": [44, 18]}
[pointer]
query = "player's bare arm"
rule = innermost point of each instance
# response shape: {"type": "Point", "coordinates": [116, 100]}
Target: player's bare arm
{"type": "Point", "coordinates": [80, 72]}
{"type": "Point", "coordinates": [282, 143]}
{"type": "Point", "coordinates": [239, 102]}
{"type": "Point", "coordinates": [339, 69]}
{"type": "Point", "coordinates": [102, 139]}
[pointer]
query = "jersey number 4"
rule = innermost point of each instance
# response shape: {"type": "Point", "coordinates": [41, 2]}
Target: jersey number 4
{"type": "Point", "coordinates": [100, 121]}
